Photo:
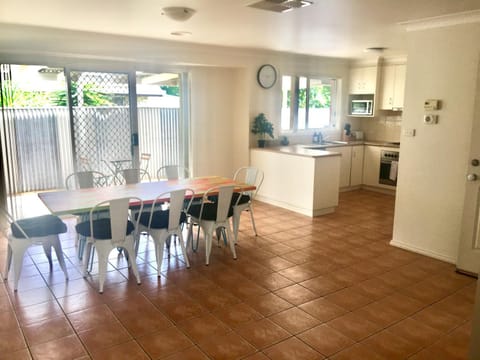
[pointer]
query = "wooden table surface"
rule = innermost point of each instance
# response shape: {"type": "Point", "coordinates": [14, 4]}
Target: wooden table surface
{"type": "Point", "coordinates": [82, 200]}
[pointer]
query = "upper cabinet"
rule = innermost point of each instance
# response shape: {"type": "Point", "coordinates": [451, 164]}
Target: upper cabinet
{"type": "Point", "coordinates": [393, 87]}
{"type": "Point", "coordinates": [363, 80]}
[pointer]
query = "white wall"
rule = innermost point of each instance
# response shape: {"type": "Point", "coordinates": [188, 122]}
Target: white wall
{"type": "Point", "coordinates": [442, 64]}
{"type": "Point", "coordinates": [224, 98]}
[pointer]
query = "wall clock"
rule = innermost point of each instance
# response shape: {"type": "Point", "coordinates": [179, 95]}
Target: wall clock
{"type": "Point", "coordinates": [267, 76]}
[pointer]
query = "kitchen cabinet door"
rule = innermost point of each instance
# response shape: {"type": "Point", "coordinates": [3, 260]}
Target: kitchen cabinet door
{"type": "Point", "coordinates": [345, 163]}
{"type": "Point", "coordinates": [393, 87]}
{"type": "Point", "coordinates": [363, 80]}
{"type": "Point", "coordinates": [371, 165]}
{"type": "Point", "coordinates": [356, 171]}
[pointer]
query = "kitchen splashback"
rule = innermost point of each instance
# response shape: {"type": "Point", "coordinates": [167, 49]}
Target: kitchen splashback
{"type": "Point", "coordinates": [385, 128]}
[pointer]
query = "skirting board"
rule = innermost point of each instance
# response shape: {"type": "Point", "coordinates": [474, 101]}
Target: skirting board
{"type": "Point", "coordinates": [421, 251]}
{"type": "Point", "coordinates": [307, 212]}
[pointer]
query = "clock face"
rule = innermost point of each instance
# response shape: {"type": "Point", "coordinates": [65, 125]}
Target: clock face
{"type": "Point", "coordinates": [267, 76]}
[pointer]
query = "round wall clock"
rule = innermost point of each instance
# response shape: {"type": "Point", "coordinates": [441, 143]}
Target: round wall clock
{"type": "Point", "coordinates": [266, 76]}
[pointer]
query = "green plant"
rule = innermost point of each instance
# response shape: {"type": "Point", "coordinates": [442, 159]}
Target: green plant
{"type": "Point", "coordinates": [262, 127]}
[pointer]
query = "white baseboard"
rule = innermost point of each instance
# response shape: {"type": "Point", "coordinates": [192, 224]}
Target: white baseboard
{"type": "Point", "coordinates": [422, 251]}
{"type": "Point", "coordinates": [303, 211]}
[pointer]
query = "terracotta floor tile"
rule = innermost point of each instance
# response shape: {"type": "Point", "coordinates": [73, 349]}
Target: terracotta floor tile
{"type": "Point", "coordinates": [325, 339]}
{"type": "Point", "coordinates": [178, 311]}
{"type": "Point", "coordinates": [47, 330]}
{"type": "Point", "coordinates": [68, 347]}
{"type": "Point", "coordinates": [323, 285]}
{"type": "Point", "coordinates": [296, 294]}
{"type": "Point", "coordinates": [277, 263]}
{"type": "Point", "coordinates": [348, 299]}
{"type": "Point", "coordinates": [292, 348]}
{"type": "Point", "coordinates": [226, 347]}
{"type": "Point", "coordinates": [104, 335]}
{"type": "Point", "coordinates": [391, 346]}
{"type": "Point", "coordinates": [215, 298]}
{"type": "Point", "coordinates": [257, 356]}
{"type": "Point", "coordinates": [273, 281]}
{"type": "Point", "coordinates": [354, 326]}
{"type": "Point", "coordinates": [23, 354]}
{"type": "Point", "coordinates": [294, 320]}
{"type": "Point", "coordinates": [91, 317]}
{"type": "Point", "coordinates": [322, 309]}
{"type": "Point", "coordinates": [237, 315]}
{"type": "Point", "coordinates": [357, 352]}
{"type": "Point", "coordinates": [380, 314]}
{"type": "Point", "coordinates": [416, 331]}
{"type": "Point", "coordinates": [262, 333]}
{"type": "Point", "coordinates": [204, 326]}
{"type": "Point", "coordinates": [11, 341]}
{"type": "Point", "coordinates": [298, 273]}
{"type": "Point", "coordinates": [268, 304]}
{"type": "Point", "coordinates": [165, 342]}
{"type": "Point", "coordinates": [192, 353]}
{"type": "Point", "coordinates": [80, 301]}
{"type": "Point", "coordinates": [143, 321]}
{"type": "Point", "coordinates": [437, 319]}
{"type": "Point", "coordinates": [126, 351]}
{"type": "Point", "coordinates": [34, 313]}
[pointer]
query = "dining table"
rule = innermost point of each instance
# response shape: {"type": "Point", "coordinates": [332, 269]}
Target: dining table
{"type": "Point", "coordinates": [80, 201]}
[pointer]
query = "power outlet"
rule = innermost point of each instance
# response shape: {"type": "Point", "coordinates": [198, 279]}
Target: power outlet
{"type": "Point", "coordinates": [409, 132]}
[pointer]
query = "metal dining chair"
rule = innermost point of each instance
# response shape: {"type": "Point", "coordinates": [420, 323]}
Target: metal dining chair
{"type": "Point", "coordinates": [21, 234]}
{"type": "Point", "coordinates": [251, 176]}
{"type": "Point", "coordinates": [213, 214]}
{"type": "Point", "coordinates": [173, 172]}
{"type": "Point", "coordinates": [108, 233]}
{"type": "Point", "coordinates": [165, 219]}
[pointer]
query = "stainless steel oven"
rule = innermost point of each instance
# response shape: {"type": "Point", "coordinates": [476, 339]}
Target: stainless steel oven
{"type": "Point", "coordinates": [388, 167]}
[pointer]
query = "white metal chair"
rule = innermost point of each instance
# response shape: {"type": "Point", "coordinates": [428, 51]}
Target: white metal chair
{"type": "Point", "coordinates": [134, 176]}
{"type": "Point", "coordinates": [165, 219]}
{"type": "Point", "coordinates": [211, 214]}
{"type": "Point", "coordinates": [173, 172]}
{"type": "Point", "coordinates": [108, 233]}
{"type": "Point", "coordinates": [21, 234]}
{"type": "Point", "coordinates": [85, 180]}
{"type": "Point", "coordinates": [251, 176]}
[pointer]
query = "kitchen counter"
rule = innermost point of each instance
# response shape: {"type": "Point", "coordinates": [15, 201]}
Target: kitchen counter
{"type": "Point", "coordinates": [330, 144]}
{"type": "Point", "coordinates": [299, 179]}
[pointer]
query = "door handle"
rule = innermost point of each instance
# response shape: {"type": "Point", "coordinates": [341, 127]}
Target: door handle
{"type": "Point", "coordinates": [472, 177]}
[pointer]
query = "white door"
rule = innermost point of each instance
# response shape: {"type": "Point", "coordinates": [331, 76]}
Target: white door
{"type": "Point", "coordinates": [469, 249]}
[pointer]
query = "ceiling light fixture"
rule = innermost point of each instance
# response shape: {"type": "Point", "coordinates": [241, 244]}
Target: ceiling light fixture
{"type": "Point", "coordinates": [180, 33]}
{"type": "Point", "coordinates": [375, 49]}
{"type": "Point", "coordinates": [178, 13]}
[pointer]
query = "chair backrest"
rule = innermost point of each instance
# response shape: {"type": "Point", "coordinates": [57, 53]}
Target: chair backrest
{"type": "Point", "coordinates": [250, 175]}
{"type": "Point", "coordinates": [221, 197]}
{"type": "Point", "coordinates": [177, 204]}
{"type": "Point", "coordinates": [173, 172]}
{"type": "Point", "coordinates": [131, 176]}
{"type": "Point", "coordinates": [119, 215]}
{"type": "Point", "coordinates": [144, 160]}
{"type": "Point", "coordinates": [85, 180]}
{"type": "Point", "coordinates": [84, 164]}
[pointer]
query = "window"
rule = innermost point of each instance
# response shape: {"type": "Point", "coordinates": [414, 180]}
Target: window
{"type": "Point", "coordinates": [307, 103]}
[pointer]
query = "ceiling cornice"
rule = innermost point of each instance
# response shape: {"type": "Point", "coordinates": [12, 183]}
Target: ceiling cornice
{"type": "Point", "coordinates": [467, 17]}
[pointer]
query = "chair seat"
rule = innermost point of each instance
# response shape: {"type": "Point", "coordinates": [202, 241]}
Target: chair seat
{"type": "Point", "coordinates": [39, 226]}
{"type": "Point", "coordinates": [101, 229]}
{"type": "Point", "coordinates": [244, 199]}
{"type": "Point", "coordinates": [159, 219]}
{"type": "Point", "coordinates": [209, 211]}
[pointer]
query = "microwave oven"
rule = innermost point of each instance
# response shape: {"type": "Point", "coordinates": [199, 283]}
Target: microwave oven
{"type": "Point", "coordinates": [361, 107]}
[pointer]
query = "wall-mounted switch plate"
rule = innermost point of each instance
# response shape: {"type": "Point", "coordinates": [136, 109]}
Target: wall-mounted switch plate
{"type": "Point", "coordinates": [409, 132]}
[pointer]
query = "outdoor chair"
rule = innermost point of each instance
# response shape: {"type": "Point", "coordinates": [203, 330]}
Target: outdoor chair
{"type": "Point", "coordinates": [173, 172]}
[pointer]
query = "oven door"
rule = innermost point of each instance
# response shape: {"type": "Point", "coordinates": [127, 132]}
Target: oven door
{"type": "Point", "coordinates": [385, 170]}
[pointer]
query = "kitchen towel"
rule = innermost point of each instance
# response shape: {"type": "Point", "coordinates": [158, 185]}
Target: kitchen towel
{"type": "Point", "coordinates": [393, 170]}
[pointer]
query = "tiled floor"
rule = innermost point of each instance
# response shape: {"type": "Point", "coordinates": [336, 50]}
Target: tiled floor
{"type": "Point", "coordinates": [329, 287]}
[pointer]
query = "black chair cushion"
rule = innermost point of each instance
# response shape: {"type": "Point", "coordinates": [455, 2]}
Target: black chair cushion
{"type": "Point", "coordinates": [159, 219]}
{"type": "Point", "coordinates": [209, 211]}
{"type": "Point", "coordinates": [101, 229]}
{"type": "Point", "coordinates": [244, 199]}
{"type": "Point", "coordinates": [39, 226]}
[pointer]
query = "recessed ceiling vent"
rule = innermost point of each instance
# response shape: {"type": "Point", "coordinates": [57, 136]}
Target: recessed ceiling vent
{"type": "Point", "coordinates": [280, 6]}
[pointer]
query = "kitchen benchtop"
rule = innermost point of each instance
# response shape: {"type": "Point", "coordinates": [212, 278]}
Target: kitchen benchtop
{"type": "Point", "coordinates": [318, 150]}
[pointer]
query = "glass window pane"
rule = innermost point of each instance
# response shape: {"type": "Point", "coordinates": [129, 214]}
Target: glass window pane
{"type": "Point", "coordinates": [286, 102]}
{"type": "Point", "coordinates": [319, 106]}
{"type": "Point", "coordinates": [302, 103]}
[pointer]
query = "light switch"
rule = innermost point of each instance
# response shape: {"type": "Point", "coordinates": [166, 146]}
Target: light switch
{"type": "Point", "coordinates": [409, 132]}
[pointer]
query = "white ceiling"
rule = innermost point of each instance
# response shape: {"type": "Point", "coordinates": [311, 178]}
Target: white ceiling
{"type": "Point", "coordinates": [336, 28]}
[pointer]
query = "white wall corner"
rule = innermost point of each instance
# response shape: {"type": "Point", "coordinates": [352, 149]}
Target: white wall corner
{"type": "Point", "coordinates": [466, 17]}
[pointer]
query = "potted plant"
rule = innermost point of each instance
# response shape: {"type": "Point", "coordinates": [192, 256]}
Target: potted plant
{"type": "Point", "coordinates": [262, 127]}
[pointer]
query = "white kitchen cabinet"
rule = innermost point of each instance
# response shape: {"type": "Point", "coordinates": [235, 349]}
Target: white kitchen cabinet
{"type": "Point", "coordinates": [345, 163]}
{"type": "Point", "coordinates": [393, 87]}
{"type": "Point", "coordinates": [363, 80]}
{"type": "Point", "coordinates": [356, 171]}
{"type": "Point", "coordinates": [371, 165]}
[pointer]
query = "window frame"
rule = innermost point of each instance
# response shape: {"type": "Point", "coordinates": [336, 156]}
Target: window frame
{"type": "Point", "coordinates": [294, 108]}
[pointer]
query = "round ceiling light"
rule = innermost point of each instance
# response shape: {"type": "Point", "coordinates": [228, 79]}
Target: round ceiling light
{"type": "Point", "coordinates": [178, 13]}
{"type": "Point", "coordinates": [376, 49]}
{"type": "Point", "coordinates": [181, 33]}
